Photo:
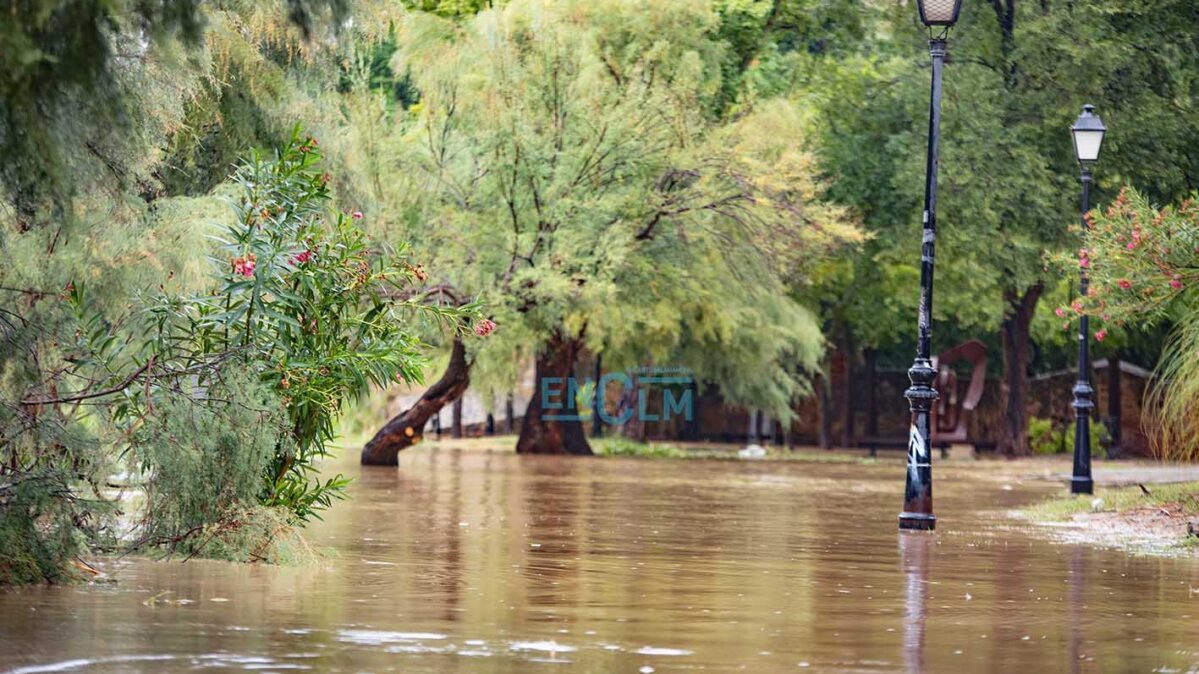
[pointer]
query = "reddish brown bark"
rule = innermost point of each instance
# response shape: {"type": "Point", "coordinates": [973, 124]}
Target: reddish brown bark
{"type": "Point", "coordinates": [553, 431]}
{"type": "Point", "coordinates": [405, 429]}
{"type": "Point", "coordinates": [1013, 391]}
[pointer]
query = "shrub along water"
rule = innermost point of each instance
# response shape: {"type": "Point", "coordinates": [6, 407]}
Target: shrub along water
{"type": "Point", "coordinates": [217, 407]}
{"type": "Point", "coordinates": [1142, 264]}
{"type": "Point", "coordinates": [1046, 436]}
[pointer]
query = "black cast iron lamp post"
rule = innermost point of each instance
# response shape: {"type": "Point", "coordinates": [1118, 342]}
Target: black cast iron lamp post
{"type": "Point", "coordinates": [1088, 133]}
{"type": "Point", "coordinates": [918, 492]}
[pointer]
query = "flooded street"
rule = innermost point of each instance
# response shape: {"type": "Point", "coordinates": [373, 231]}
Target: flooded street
{"type": "Point", "coordinates": [489, 562]}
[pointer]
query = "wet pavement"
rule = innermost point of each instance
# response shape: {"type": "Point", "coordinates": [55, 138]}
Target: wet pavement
{"type": "Point", "coordinates": [488, 562]}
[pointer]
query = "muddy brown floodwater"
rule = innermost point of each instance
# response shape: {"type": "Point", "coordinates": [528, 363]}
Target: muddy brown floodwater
{"type": "Point", "coordinates": [488, 562]}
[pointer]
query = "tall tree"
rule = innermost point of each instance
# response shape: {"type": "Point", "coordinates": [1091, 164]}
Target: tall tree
{"type": "Point", "coordinates": [581, 183]}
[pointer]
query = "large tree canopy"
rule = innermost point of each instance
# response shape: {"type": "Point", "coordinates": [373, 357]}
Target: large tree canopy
{"type": "Point", "coordinates": [565, 162]}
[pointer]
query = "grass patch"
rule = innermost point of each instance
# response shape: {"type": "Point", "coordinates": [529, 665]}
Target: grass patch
{"type": "Point", "coordinates": [1184, 495]}
{"type": "Point", "coordinates": [641, 450]}
{"type": "Point", "coordinates": [1152, 520]}
{"type": "Point", "coordinates": [618, 446]}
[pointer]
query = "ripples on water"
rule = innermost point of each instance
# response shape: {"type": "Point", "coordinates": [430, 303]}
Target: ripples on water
{"type": "Point", "coordinates": [488, 562]}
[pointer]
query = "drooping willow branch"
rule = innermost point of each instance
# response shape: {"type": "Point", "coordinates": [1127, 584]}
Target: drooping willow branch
{"type": "Point", "coordinates": [132, 378]}
{"type": "Point", "coordinates": [126, 383]}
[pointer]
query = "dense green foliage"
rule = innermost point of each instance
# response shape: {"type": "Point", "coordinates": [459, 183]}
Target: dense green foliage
{"type": "Point", "coordinates": [1017, 74]}
{"type": "Point", "coordinates": [1046, 436]}
{"type": "Point", "coordinates": [303, 305]}
{"type": "Point", "coordinates": [120, 122]}
{"type": "Point", "coordinates": [220, 404]}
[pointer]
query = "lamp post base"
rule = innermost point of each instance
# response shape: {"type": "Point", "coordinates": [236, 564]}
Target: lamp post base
{"type": "Point", "coordinates": [1082, 485]}
{"type": "Point", "coordinates": [917, 521]}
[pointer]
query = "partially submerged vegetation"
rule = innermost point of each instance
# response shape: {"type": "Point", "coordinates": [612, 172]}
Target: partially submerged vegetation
{"type": "Point", "coordinates": [1158, 518]}
{"type": "Point", "coordinates": [192, 423]}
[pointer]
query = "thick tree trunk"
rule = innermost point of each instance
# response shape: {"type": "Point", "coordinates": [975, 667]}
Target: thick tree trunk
{"type": "Point", "coordinates": [845, 400]}
{"type": "Point", "coordinates": [871, 393]}
{"type": "Point", "coordinates": [405, 429]}
{"type": "Point", "coordinates": [1013, 392]}
{"type": "Point", "coordinates": [598, 403]}
{"type": "Point", "coordinates": [629, 409]}
{"type": "Point", "coordinates": [456, 418]}
{"type": "Point", "coordinates": [691, 426]}
{"type": "Point", "coordinates": [554, 431]}
{"type": "Point", "coordinates": [824, 403]}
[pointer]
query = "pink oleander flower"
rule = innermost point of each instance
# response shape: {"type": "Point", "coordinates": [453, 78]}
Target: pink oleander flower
{"type": "Point", "coordinates": [244, 266]}
{"type": "Point", "coordinates": [1060, 312]}
{"type": "Point", "coordinates": [357, 215]}
{"type": "Point", "coordinates": [1077, 306]}
{"type": "Point", "coordinates": [301, 258]}
{"type": "Point", "coordinates": [1124, 283]}
{"type": "Point", "coordinates": [1175, 283]}
{"type": "Point", "coordinates": [484, 327]}
{"type": "Point", "coordinates": [1100, 335]}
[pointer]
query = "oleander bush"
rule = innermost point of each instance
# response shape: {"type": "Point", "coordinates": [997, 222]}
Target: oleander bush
{"type": "Point", "coordinates": [195, 423]}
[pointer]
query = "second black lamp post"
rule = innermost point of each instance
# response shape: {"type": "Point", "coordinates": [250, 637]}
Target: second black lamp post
{"type": "Point", "coordinates": [918, 491]}
{"type": "Point", "coordinates": [1088, 133]}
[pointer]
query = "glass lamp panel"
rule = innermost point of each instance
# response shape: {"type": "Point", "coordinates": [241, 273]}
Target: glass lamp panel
{"type": "Point", "coordinates": [1086, 144]}
{"type": "Point", "coordinates": [939, 12]}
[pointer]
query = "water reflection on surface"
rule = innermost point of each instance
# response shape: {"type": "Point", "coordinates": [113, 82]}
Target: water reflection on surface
{"type": "Point", "coordinates": [488, 562]}
{"type": "Point", "coordinates": [913, 554]}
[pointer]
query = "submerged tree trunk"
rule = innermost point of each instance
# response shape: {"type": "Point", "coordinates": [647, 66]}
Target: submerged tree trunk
{"type": "Point", "coordinates": [405, 429]}
{"type": "Point", "coordinates": [1013, 427]}
{"type": "Point", "coordinates": [456, 418]}
{"type": "Point", "coordinates": [554, 431]}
